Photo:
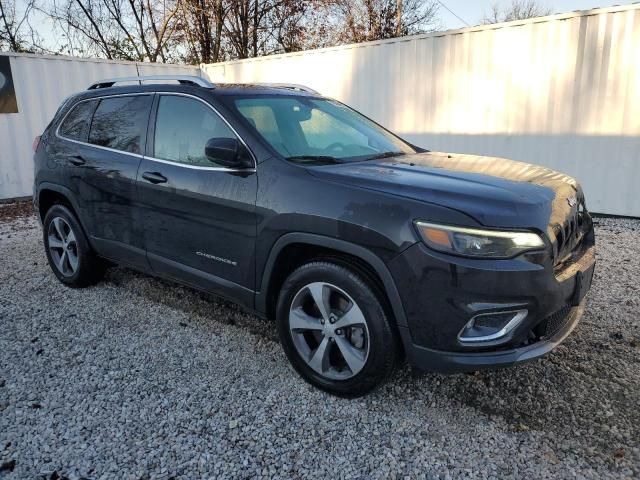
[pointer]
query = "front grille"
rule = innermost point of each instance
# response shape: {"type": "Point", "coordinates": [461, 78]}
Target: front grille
{"type": "Point", "coordinates": [553, 323]}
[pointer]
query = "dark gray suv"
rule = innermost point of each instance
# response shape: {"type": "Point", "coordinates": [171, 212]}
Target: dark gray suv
{"type": "Point", "coordinates": [364, 248]}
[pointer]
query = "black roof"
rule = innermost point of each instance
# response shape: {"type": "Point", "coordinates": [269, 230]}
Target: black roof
{"type": "Point", "coordinates": [257, 89]}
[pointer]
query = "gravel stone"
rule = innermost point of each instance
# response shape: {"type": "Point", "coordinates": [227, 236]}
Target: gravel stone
{"type": "Point", "coordinates": [142, 379]}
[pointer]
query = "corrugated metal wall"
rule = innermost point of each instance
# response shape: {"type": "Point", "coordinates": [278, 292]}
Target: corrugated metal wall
{"type": "Point", "coordinates": [562, 91]}
{"type": "Point", "coordinates": [41, 83]}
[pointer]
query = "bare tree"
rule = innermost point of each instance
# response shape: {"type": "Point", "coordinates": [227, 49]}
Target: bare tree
{"type": "Point", "coordinates": [117, 29]}
{"type": "Point", "coordinates": [363, 20]}
{"type": "Point", "coordinates": [262, 27]}
{"type": "Point", "coordinates": [517, 10]}
{"type": "Point", "coordinates": [241, 26]}
{"type": "Point", "coordinates": [290, 25]}
{"type": "Point", "coordinates": [246, 20]}
{"type": "Point", "coordinates": [200, 30]}
{"type": "Point", "coordinates": [204, 31]}
{"type": "Point", "coordinates": [16, 33]}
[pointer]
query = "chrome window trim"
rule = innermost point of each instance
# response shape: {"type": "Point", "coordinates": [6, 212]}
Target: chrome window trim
{"type": "Point", "coordinates": [108, 149]}
{"type": "Point", "coordinates": [200, 167]}
{"type": "Point", "coordinates": [169, 162]}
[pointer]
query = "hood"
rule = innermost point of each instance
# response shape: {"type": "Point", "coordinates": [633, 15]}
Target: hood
{"type": "Point", "coordinates": [496, 192]}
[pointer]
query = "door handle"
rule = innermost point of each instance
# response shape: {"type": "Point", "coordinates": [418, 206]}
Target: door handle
{"type": "Point", "coordinates": [76, 160]}
{"type": "Point", "coordinates": [154, 177]}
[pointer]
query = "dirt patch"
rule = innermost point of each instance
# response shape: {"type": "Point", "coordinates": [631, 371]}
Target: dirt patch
{"type": "Point", "coordinates": [17, 209]}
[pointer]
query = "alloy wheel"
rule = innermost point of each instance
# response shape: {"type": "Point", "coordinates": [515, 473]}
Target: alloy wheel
{"type": "Point", "coordinates": [329, 331]}
{"type": "Point", "coordinates": [63, 246]}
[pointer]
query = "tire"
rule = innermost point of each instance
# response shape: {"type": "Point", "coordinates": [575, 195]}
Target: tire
{"type": "Point", "coordinates": [349, 361]}
{"type": "Point", "coordinates": [70, 257]}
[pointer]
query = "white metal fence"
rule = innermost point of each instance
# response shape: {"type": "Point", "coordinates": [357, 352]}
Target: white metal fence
{"type": "Point", "coordinates": [41, 83]}
{"type": "Point", "coordinates": [562, 91]}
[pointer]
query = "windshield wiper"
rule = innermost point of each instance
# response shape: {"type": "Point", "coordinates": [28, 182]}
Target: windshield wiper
{"type": "Point", "coordinates": [313, 158]}
{"type": "Point", "coordinates": [385, 155]}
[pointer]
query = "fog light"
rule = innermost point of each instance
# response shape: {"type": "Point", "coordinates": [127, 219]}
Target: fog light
{"type": "Point", "coordinates": [488, 327]}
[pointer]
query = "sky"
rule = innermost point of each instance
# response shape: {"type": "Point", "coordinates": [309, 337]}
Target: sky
{"type": "Point", "coordinates": [472, 10]}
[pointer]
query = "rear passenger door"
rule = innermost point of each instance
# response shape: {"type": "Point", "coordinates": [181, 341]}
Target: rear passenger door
{"type": "Point", "coordinates": [69, 150]}
{"type": "Point", "coordinates": [198, 216]}
{"type": "Point", "coordinates": [106, 163]}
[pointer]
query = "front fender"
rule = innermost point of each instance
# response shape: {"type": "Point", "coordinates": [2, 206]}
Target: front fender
{"type": "Point", "coordinates": [335, 244]}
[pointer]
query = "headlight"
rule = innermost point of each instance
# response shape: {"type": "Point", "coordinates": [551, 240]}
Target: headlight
{"type": "Point", "coordinates": [474, 242]}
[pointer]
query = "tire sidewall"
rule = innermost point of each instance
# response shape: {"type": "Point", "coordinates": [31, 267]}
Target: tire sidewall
{"type": "Point", "coordinates": [84, 250]}
{"type": "Point", "coordinates": [381, 358]}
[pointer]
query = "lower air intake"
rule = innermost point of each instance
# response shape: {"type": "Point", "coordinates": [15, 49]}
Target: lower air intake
{"type": "Point", "coordinates": [553, 323]}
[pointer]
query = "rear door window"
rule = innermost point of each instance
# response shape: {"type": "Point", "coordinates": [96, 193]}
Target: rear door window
{"type": "Point", "coordinates": [75, 125]}
{"type": "Point", "coordinates": [121, 123]}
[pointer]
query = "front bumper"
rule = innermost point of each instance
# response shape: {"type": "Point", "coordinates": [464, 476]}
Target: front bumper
{"type": "Point", "coordinates": [455, 362]}
{"type": "Point", "coordinates": [440, 294]}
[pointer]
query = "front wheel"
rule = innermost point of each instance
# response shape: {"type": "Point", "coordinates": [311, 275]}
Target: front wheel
{"type": "Point", "coordinates": [334, 330]}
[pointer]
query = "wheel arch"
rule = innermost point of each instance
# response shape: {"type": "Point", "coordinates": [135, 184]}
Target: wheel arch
{"type": "Point", "coordinates": [49, 194]}
{"type": "Point", "coordinates": [293, 249]}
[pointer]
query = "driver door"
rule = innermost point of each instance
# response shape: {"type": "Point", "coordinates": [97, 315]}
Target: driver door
{"type": "Point", "coordinates": [198, 217]}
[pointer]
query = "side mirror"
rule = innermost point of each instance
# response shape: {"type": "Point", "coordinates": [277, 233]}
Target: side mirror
{"type": "Point", "coordinates": [228, 152]}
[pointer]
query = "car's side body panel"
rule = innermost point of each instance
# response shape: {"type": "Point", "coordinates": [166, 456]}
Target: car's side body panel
{"type": "Point", "coordinates": [106, 191]}
{"type": "Point", "coordinates": [202, 220]}
{"type": "Point", "coordinates": [290, 199]}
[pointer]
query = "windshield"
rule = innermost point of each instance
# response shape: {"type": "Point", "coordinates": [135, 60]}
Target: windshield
{"type": "Point", "coordinates": [312, 130]}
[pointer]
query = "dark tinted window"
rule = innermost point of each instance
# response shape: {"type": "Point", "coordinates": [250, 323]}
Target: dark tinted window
{"type": "Point", "coordinates": [121, 123]}
{"type": "Point", "coordinates": [183, 127]}
{"type": "Point", "coordinates": [76, 124]}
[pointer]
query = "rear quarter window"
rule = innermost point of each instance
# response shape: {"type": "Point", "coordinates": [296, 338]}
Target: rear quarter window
{"type": "Point", "coordinates": [121, 123]}
{"type": "Point", "coordinates": [76, 123]}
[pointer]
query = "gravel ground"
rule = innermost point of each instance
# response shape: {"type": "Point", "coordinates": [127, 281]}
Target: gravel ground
{"type": "Point", "coordinates": [138, 378]}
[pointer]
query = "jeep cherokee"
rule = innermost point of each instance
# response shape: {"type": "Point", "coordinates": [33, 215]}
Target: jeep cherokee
{"type": "Point", "coordinates": [362, 247]}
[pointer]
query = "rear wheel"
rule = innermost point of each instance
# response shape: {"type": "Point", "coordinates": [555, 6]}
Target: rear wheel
{"type": "Point", "coordinates": [334, 330]}
{"type": "Point", "coordinates": [67, 249]}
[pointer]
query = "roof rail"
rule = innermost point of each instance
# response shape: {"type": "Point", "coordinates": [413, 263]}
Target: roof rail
{"type": "Point", "coordinates": [290, 86]}
{"type": "Point", "coordinates": [183, 79]}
